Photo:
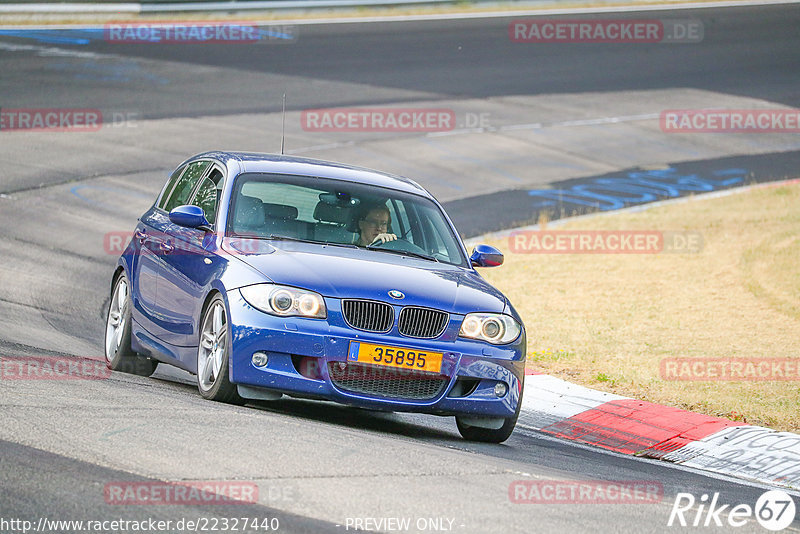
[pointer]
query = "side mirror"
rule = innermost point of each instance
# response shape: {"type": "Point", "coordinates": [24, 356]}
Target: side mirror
{"type": "Point", "coordinates": [486, 256]}
{"type": "Point", "coordinates": [190, 217]}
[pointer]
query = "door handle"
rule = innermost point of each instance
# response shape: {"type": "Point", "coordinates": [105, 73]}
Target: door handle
{"type": "Point", "coordinates": [141, 235]}
{"type": "Point", "coordinates": [167, 247]}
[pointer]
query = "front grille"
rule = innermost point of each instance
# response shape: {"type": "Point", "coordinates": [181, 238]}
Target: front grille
{"type": "Point", "coordinates": [422, 322]}
{"type": "Point", "coordinates": [368, 315]}
{"type": "Point", "coordinates": [386, 381]}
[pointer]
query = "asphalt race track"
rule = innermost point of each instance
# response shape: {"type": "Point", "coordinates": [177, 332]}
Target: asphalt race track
{"type": "Point", "coordinates": [547, 116]}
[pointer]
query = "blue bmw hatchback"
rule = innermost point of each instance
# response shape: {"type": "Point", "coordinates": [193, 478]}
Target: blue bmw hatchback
{"type": "Point", "coordinates": [267, 275]}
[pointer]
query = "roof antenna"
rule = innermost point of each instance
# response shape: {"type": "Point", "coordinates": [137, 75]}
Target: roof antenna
{"type": "Point", "coordinates": [283, 123]}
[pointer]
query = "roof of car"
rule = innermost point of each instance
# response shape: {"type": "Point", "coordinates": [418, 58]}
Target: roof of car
{"type": "Point", "coordinates": [281, 164]}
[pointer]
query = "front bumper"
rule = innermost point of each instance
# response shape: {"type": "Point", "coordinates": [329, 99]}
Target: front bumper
{"type": "Point", "coordinates": [470, 369]}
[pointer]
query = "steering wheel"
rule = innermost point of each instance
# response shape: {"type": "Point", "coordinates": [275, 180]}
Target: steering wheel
{"type": "Point", "coordinates": [401, 244]}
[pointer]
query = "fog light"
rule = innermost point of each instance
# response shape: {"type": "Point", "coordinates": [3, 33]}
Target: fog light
{"type": "Point", "coordinates": [500, 389]}
{"type": "Point", "coordinates": [260, 359]}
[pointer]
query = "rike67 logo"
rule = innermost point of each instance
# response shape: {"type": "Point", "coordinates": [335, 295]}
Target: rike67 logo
{"type": "Point", "coordinates": [774, 510]}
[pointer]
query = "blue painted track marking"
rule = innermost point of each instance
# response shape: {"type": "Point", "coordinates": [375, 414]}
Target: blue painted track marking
{"type": "Point", "coordinates": [86, 35]}
{"type": "Point", "coordinates": [122, 71]}
{"type": "Point", "coordinates": [639, 187]}
{"type": "Point", "coordinates": [74, 37]}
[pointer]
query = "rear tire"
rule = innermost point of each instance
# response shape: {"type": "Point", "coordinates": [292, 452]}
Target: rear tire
{"type": "Point", "coordinates": [119, 355]}
{"type": "Point", "coordinates": [213, 355]}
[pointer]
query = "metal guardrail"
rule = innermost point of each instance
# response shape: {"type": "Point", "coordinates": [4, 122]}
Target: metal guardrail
{"type": "Point", "coordinates": [45, 7]}
{"type": "Point", "coordinates": [159, 7]}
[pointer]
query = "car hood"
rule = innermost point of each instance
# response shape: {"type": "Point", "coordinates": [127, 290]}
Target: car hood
{"type": "Point", "coordinates": [340, 272]}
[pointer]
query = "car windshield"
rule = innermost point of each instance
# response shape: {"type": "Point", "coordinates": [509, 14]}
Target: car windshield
{"type": "Point", "coordinates": [331, 211]}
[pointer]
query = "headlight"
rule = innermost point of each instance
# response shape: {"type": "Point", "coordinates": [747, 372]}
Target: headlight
{"type": "Point", "coordinates": [496, 328]}
{"type": "Point", "coordinates": [285, 301]}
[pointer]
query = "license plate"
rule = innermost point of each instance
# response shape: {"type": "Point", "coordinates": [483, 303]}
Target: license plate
{"type": "Point", "coordinates": [400, 357]}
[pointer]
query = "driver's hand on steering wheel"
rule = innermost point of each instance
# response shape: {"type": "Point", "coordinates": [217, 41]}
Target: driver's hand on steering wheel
{"type": "Point", "coordinates": [381, 239]}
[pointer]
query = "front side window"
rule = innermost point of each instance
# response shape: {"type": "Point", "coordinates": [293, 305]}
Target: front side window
{"type": "Point", "coordinates": [208, 193]}
{"type": "Point", "coordinates": [330, 211]}
{"type": "Point", "coordinates": [184, 186]}
{"type": "Point", "coordinates": [170, 186]}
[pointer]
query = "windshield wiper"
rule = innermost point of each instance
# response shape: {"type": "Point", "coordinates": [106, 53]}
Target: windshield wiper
{"type": "Point", "coordinates": [302, 240]}
{"type": "Point", "coordinates": [404, 253]}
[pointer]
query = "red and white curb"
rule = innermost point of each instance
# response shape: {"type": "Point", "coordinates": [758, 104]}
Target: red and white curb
{"type": "Point", "coordinates": [641, 428]}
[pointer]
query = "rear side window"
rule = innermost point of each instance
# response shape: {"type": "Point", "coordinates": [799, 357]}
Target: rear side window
{"type": "Point", "coordinates": [185, 185]}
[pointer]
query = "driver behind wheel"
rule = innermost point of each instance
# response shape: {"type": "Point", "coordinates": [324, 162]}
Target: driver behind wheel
{"type": "Point", "coordinates": [374, 225]}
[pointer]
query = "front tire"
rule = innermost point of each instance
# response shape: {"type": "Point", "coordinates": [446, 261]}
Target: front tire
{"type": "Point", "coordinates": [119, 355]}
{"type": "Point", "coordinates": [213, 355]}
{"type": "Point", "coordinates": [489, 435]}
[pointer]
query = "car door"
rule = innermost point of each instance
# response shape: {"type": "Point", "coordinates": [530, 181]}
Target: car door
{"type": "Point", "coordinates": [189, 265]}
{"type": "Point", "coordinates": [160, 240]}
{"type": "Point", "coordinates": [145, 261]}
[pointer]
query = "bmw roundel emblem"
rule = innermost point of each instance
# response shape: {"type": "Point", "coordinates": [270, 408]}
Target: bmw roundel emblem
{"type": "Point", "coordinates": [395, 294]}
